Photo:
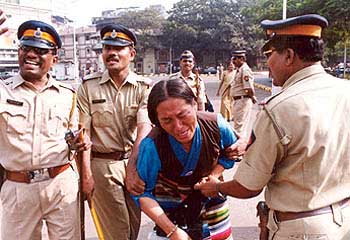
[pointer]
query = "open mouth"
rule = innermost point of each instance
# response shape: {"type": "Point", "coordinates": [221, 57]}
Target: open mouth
{"type": "Point", "coordinates": [32, 63]}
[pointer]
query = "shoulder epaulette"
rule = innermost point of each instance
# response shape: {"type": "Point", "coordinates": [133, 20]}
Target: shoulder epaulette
{"type": "Point", "coordinates": [66, 86]}
{"type": "Point", "coordinates": [8, 81]}
{"type": "Point", "coordinates": [145, 80]}
{"type": "Point", "coordinates": [92, 76]}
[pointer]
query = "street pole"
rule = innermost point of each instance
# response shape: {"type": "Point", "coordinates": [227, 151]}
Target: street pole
{"type": "Point", "coordinates": [170, 60]}
{"type": "Point", "coordinates": [75, 62]}
{"type": "Point", "coordinates": [274, 88]}
{"type": "Point", "coordinates": [345, 50]}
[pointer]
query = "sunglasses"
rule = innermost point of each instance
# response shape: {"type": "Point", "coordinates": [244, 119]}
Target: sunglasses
{"type": "Point", "coordinates": [268, 53]}
{"type": "Point", "coordinates": [38, 51]}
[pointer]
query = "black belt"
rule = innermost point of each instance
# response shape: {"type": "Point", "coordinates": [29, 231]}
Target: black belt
{"type": "Point", "coordinates": [240, 97]}
{"type": "Point", "coordinates": [117, 155]}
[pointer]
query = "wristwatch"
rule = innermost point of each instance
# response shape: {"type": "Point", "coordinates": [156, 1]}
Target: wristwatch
{"type": "Point", "coordinates": [220, 194]}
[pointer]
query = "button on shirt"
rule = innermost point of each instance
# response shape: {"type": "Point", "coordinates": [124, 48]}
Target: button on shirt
{"type": "Point", "coordinates": [243, 80]}
{"type": "Point", "coordinates": [111, 114]}
{"type": "Point", "coordinates": [313, 109]}
{"type": "Point", "coordinates": [33, 124]}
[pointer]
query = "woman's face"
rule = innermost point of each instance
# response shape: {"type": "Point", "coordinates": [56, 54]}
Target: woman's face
{"type": "Point", "coordinates": [178, 118]}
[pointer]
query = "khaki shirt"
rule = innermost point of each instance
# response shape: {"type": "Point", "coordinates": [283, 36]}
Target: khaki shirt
{"type": "Point", "coordinates": [227, 79]}
{"type": "Point", "coordinates": [243, 80]}
{"type": "Point", "coordinates": [199, 91]}
{"type": "Point", "coordinates": [313, 109]}
{"type": "Point", "coordinates": [111, 114]}
{"type": "Point", "coordinates": [33, 124]}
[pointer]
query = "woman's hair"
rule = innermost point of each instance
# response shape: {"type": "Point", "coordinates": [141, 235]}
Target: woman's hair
{"type": "Point", "coordinates": [164, 90]}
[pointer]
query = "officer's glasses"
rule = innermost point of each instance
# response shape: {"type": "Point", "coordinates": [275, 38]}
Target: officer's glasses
{"type": "Point", "coordinates": [268, 53]}
{"type": "Point", "coordinates": [38, 51]}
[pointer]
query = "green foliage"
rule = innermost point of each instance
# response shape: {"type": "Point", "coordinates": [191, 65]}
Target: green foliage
{"type": "Point", "coordinates": [204, 26]}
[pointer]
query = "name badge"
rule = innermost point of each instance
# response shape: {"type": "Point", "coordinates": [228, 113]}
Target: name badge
{"type": "Point", "coordinates": [14, 102]}
{"type": "Point", "coordinates": [98, 101]}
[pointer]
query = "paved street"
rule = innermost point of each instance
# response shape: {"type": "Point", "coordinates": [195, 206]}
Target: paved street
{"type": "Point", "coordinates": [243, 213]}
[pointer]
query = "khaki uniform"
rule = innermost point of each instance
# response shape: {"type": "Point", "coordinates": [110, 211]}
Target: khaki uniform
{"type": "Point", "coordinates": [242, 103]}
{"type": "Point", "coordinates": [33, 126]}
{"type": "Point", "coordinates": [111, 115]}
{"type": "Point", "coordinates": [199, 91]}
{"type": "Point", "coordinates": [313, 171]}
{"type": "Point", "coordinates": [225, 92]}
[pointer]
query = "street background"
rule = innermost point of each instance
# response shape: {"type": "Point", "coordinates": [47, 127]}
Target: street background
{"type": "Point", "coordinates": [243, 212]}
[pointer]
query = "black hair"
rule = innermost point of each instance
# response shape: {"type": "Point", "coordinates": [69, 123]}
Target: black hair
{"type": "Point", "coordinates": [307, 48]}
{"type": "Point", "coordinates": [164, 90]}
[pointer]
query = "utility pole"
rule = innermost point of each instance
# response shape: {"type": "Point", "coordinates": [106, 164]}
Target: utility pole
{"type": "Point", "coordinates": [276, 89]}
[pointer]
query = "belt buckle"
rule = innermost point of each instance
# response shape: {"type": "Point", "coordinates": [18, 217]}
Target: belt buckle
{"type": "Point", "coordinates": [38, 175]}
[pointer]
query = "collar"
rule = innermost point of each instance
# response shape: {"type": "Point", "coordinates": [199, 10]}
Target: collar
{"type": "Point", "coordinates": [18, 80]}
{"type": "Point", "coordinates": [302, 74]}
{"type": "Point", "coordinates": [192, 76]}
{"type": "Point", "coordinates": [130, 78]}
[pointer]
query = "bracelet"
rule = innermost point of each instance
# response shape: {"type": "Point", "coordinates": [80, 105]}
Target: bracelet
{"type": "Point", "coordinates": [172, 231]}
{"type": "Point", "coordinates": [220, 195]}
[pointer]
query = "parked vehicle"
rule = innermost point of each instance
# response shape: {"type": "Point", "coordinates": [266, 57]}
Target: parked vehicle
{"type": "Point", "coordinates": [5, 75]}
{"type": "Point", "coordinates": [210, 70]}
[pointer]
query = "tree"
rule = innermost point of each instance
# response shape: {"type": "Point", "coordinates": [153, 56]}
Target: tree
{"type": "Point", "coordinates": [204, 26]}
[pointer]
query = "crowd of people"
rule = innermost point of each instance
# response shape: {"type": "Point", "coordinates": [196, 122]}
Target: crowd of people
{"type": "Point", "coordinates": [155, 149]}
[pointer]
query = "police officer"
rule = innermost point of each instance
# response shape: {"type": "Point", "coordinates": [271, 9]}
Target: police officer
{"type": "Point", "coordinates": [113, 108]}
{"type": "Point", "coordinates": [300, 142]}
{"type": "Point", "coordinates": [35, 112]}
{"type": "Point", "coordinates": [187, 63]}
{"type": "Point", "coordinates": [242, 91]}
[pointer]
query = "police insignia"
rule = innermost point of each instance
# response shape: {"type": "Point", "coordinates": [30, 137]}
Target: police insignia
{"type": "Point", "coordinates": [37, 33]}
{"type": "Point", "coordinates": [251, 140]}
{"type": "Point", "coordinates": [246, 78]}
{"type": "Point", "coordinates": [113, 34]}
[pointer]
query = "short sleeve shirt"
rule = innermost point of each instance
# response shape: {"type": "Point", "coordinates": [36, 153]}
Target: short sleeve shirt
{"type": "Point", "coordinates": [313, 109]}
{"type": "Point", "coordinates": [198, 90]}
{"type": "Point", "coordinates": [33, 124]}
{"type": "Point", "coordinates": [111, 114]}
{"type": "Point", "coordinates": [243, 80]}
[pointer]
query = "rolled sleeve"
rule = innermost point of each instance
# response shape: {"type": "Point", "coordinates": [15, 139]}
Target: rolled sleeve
{"type": "Point", "coordinates": [256, 169]}
{"type": "Point", "coordinates": [142, 114]}
{"type": "Point", "coordinates": [84, 108]}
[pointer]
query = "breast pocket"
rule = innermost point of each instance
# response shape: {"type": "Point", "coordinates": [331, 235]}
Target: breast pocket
{"type": "Point", "coordinates": [102, 114]}
{"type": "Point", "coordinates": [58, 120]}
{"type": "Point", "coordinates": [14, 118]}
{"type": "Point", "coordinates": [130, 115]}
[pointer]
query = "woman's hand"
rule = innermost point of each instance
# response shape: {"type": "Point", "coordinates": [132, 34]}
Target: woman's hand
{"type": "Point", "coordinates": [180, 234]}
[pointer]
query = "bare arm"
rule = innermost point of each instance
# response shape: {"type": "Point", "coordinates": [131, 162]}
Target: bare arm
{"type": "Point", "coordinates": [152, 209]}
{"type": "Point", "coordinates": [211, 185]}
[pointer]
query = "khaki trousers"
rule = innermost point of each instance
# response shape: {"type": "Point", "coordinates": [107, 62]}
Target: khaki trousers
{"type": "Point", "coordinates": [118, 214]}
{"type": "Point", "coordinates": [330, 226]}
{"type": "Point", "coordinates": [241, 115]}
{"type": "Point", "coordinates": [25, 206]}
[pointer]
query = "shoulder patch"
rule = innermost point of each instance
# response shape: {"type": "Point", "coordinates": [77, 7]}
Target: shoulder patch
{"type": "Point", "coordinates": [246, 78]}
{"type": "Point", "coordinates": [92, 76]}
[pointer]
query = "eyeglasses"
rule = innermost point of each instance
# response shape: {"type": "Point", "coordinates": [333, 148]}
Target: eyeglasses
{"type": "Point", "coordinates": [39, 51]}
{"type": "Point", "coordinates": [268, 53]}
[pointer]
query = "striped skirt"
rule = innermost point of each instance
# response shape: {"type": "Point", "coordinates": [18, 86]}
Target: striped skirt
{"type": "Point", "coordinates": [216, 220]}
